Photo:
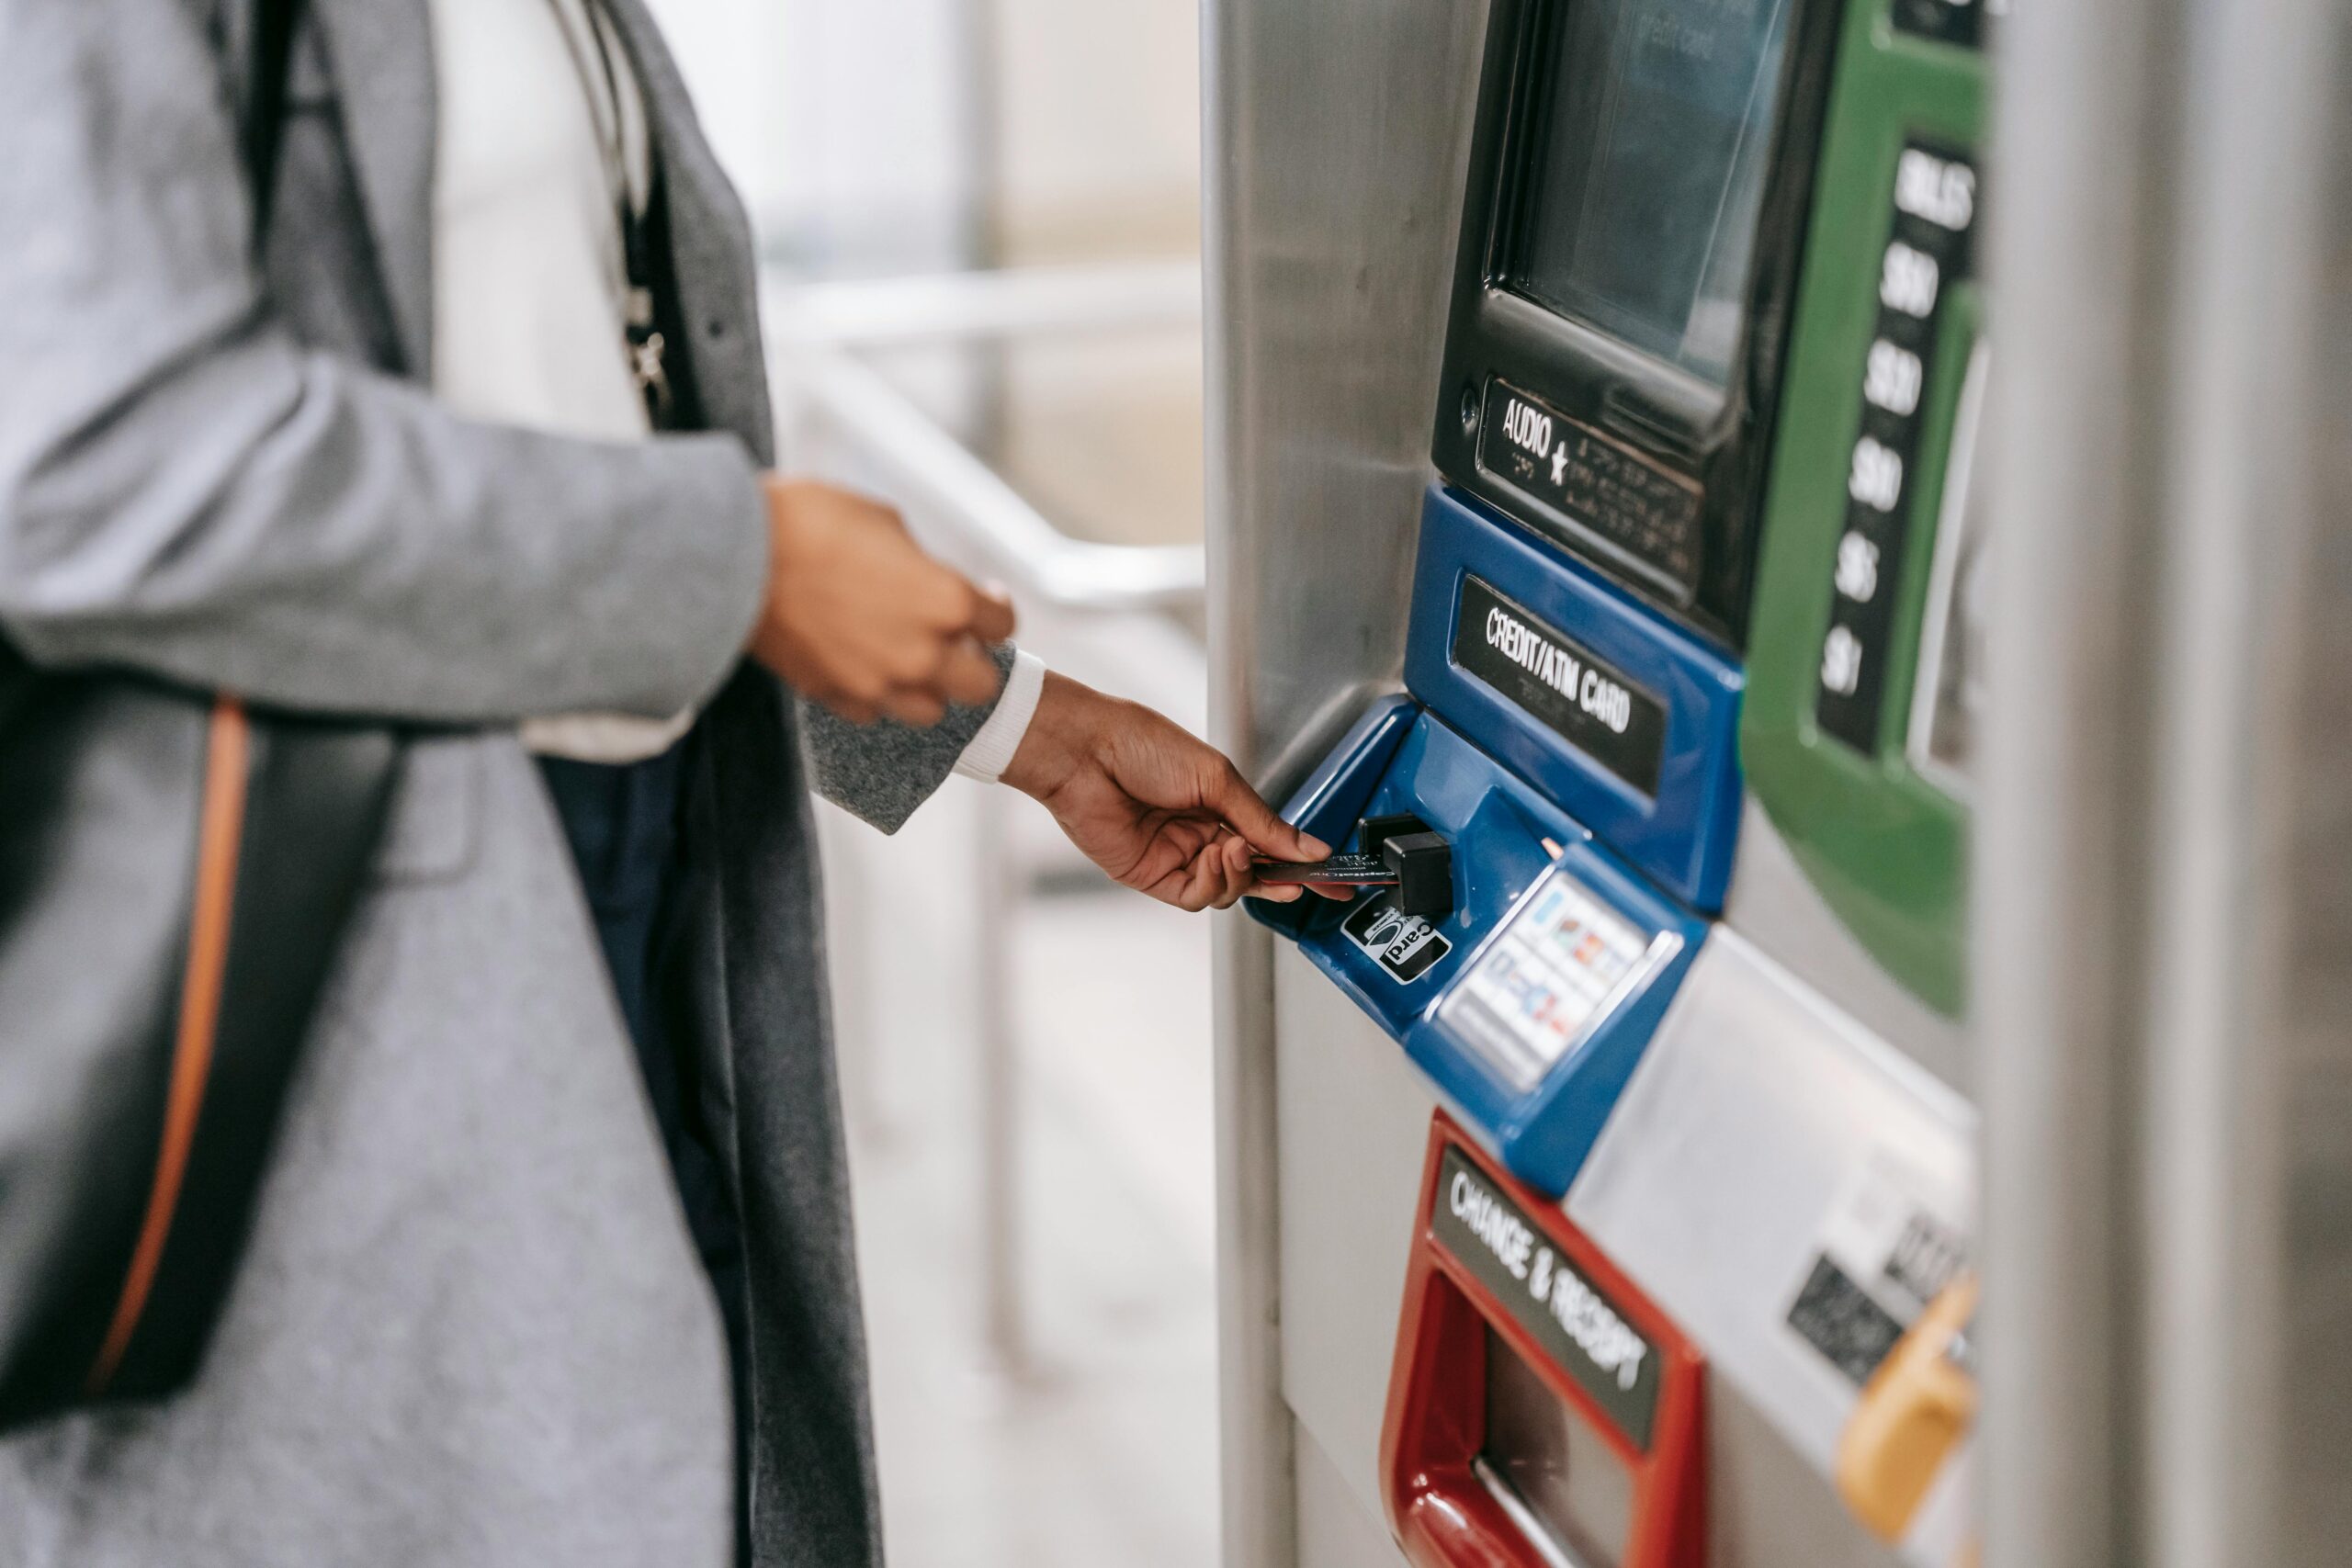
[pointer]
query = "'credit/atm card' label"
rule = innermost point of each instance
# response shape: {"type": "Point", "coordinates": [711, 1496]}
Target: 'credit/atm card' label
{"type": "Point", "coordinates": [1570, 1316]}
{"type": "Point", "coordinates": [1587, 702]}
{"type": "Point", "coordinates": [1632, 500]}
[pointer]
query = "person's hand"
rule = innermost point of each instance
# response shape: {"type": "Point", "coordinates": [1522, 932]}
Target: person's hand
{"type": "Point", "coordinates": [859, 618]}
{"type": "Point", "coordinates": [1163, 813]}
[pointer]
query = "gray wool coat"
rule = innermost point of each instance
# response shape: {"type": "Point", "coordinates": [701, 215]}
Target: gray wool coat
{"type": "Point", "coordinates": [470, 1329]}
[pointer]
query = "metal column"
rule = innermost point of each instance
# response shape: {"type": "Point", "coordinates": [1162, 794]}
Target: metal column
{"type": "Point", "coordinates": [2149, 835]}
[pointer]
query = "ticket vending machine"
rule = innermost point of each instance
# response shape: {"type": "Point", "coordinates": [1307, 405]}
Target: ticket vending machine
{"type": "Point", "coordinates": [1566, 747]}
{"type": "Point", "coordinates": [1618, 1175]}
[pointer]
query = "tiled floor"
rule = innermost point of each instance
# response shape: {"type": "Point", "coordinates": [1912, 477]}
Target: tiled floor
{"type": "Point", "coordinates": [1101, 1447]}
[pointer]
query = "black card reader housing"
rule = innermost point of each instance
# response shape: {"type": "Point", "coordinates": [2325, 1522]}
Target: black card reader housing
{"type": "Point", "coordinates": [1424, 866]}
{"type": "Point", "coordinates": [1422, 860]}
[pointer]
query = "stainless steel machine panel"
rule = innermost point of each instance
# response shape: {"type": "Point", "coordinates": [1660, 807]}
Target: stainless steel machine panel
{"type": "Point", "coordinates": [1334, 1531]}
{"type": "Point", "coordinates": [1775, 906]}
{"type": "Point", "coordinates": [1337, 138]}
{"type": "Point", "coordinates": [1793, 1193]}
{"type": "Point", "coordinates": [1354, 1122]}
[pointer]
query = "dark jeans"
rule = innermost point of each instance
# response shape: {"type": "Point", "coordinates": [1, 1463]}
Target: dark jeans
{"type": "Point", "coordinates": [622, 821]}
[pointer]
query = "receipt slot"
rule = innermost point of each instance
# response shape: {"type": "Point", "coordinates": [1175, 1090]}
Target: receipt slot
{"type": "Point", "coordinates": [1540, 1412]}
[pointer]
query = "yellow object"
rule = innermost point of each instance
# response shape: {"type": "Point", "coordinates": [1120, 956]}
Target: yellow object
{"type": "Point", "coordinates": [1912, 1413]}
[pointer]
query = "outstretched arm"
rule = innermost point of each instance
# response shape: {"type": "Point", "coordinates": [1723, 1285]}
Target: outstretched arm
{"type": "Point", "coordinates": [1161, 811]}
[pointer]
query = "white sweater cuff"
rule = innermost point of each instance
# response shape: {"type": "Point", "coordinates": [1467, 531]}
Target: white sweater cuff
{"type": "Point", "coordinates": [989, 752]}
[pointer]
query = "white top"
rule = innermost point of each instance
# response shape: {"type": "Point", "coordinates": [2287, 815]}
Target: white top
{"type": "Point", "coordinates": [529, 281]}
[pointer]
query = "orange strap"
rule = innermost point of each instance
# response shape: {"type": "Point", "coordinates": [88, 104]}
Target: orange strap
{"type": "Point", "coordinates": [222, 822]}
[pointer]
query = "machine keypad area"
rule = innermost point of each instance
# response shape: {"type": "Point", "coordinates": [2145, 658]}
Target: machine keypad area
{"type": "Point", "coordinates": [1927, 250]}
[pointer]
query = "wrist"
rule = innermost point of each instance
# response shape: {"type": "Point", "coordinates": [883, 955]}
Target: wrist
{"type": "Point", "coordinates": [1062, 734]}
{"type": "Point", "coordinates": [775, 507]}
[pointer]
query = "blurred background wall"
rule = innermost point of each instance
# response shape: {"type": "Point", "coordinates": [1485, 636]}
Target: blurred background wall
{"type": "Point", "coordinates": [1026, 1051]}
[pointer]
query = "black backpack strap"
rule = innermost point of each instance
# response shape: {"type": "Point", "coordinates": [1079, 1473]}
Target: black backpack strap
{"type": "Point", "coordinates": [269, 62]}
{"type": "Point", "coordinates": [163, 1105]}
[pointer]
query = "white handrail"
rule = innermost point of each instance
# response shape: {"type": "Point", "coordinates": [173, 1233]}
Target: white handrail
{"type": "Point", "coordinates": [813, 333]}
{"type": "Point", "coordinates": [812, 329]}
{"type": "Point", "coordinates": [932, 469]}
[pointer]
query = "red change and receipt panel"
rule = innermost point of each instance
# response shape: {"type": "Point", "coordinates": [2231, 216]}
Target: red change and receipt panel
{"type": "Point", "coordinates": [1541, 1411]}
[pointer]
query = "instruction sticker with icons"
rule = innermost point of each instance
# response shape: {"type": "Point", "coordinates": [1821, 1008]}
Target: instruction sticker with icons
{"type": "Point", "coordinates": [1548, 979]}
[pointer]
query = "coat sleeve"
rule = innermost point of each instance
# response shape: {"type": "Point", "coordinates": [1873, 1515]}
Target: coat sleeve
{"type": "Point", "coordinates": [881, 772]}
{"type": "Point", "coordinates": [187, 490]}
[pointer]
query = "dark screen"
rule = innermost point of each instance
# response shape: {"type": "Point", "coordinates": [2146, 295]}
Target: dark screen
{"type": "Point", "coordinates": [1646, 171]}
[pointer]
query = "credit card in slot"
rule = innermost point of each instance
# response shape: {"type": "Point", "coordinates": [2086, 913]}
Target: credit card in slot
{"type": "Point", "coordinates": [1340, 871]}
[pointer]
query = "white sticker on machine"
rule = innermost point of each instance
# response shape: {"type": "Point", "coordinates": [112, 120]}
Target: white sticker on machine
{"type": "Point", "coordinates": [1891, 1242]}
{"type": "Point", "coordinates": [1406, 945]}
{"type": "Point", "coordinates": [1562, 960]}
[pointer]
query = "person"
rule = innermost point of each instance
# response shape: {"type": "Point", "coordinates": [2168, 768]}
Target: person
{"type": "Point", "coordinates": [479, 443]}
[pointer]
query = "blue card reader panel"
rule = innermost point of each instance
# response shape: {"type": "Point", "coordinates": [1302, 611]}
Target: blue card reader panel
{"type": "Point", "coordinates": [1548, 1016]}
{"type": "Point", "coordinates": [1531, 1002]}
{"type": "Point", "coordinates": [1627, 720]}
{"type": "Point", "coordinates": [1332, 800]}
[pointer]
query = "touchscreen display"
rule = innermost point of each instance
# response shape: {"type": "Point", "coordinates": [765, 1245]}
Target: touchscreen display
{"type": "Point", "coordinates": [1645, 172]}
{"type": "Point", "coordinates": [1544, 1458]}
